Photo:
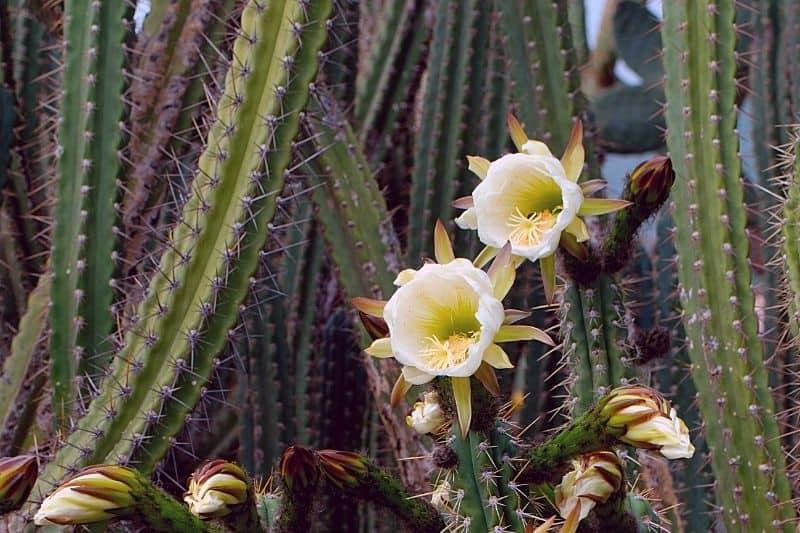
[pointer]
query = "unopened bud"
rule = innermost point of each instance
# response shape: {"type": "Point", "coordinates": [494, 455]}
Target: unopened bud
{"type": "Point", "coordinates": [17, 476]}
{"type": "Point", "coordinates": [216, 489]}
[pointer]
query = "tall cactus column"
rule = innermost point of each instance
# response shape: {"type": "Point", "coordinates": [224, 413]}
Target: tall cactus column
{"type": "Point", "coordinates": [721, 324]}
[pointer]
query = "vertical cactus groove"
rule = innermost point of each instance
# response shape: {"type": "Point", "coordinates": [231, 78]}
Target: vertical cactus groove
{"type": "Point", "coordinates": [96, 293]}
{"type": "Point", "coordinates": [437, 153]}
{"type": "Point", "coordinates": [80, 35]}
{"type": "Point", "coordinates": [790, 233]}
{"type": "Point", "coordinates": [204, 275]}
{"type": "Point", "coordinates": [721, 324]}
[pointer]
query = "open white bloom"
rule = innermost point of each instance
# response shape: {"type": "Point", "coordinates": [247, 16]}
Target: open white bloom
{"type": "Point", "coordinates": [427, 415]}
{"type": "Point", "coordinates": [593, 479]}
{"type": "Point", "coordinates": [445, 320]}
{"type": "Point", "coordinates": [532, 200]}
{"type": "Point", "coordinates": [648, 421]}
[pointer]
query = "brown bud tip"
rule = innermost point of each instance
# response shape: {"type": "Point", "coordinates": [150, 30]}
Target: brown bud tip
{"type": "Point", "coordinates": [376, 327]}
{"type": "Point", "coordinates": [651, 182]}
{"type": "Point", "coordinates": [216, 489]}
{"type": "Point", "coordinates": [17, 476]}
{"type": "Point", "coordinates": [299, 468]}
{"type": "Point", "coordinates": [342, 468]}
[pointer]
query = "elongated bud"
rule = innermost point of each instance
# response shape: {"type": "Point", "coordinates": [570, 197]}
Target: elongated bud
{"type": "Point", "coordinates": [299, 468]}
{"type": "Point", "coordinates": [17, 476]}
{"type": "Point", "coordinates": [217, 489]}
{"type": "Point", "coordinates": [643, 418]}
{"type": "Point", "coordinates": [594, 477]}
{"type": "Point", "coordinates": [94, 494]}
{"type": "Point", "coordinates": [649, 184]}
{"type": "Point", "coordinates": [342, 468]}
{"type": "Point", "coordinates": [376, 326]}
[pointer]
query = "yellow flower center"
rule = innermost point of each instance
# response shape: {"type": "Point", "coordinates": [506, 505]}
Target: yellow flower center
{"type": "Point", "coordinates": [529, 230]}
{"type": "Point", "coordinates": [452, 351]}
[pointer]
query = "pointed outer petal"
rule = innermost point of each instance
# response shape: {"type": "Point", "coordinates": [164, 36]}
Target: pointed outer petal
{"type": "Point", "coordinates": [509, 333]}
{"type": "Point", "coordinates": [573, 519]}
{"type": "Point", "coordinates": [497, 357]}
{"type": "Point", "coordinates": [401, 387]}
{"type": "Point", "coordinates": [468, 219]}
{"type": "Point", "coordinates": [369, 306]}
{"type": "Point", "coordinates": [415, 376]}
{"type": "Point", "coordinates": [478, 165]}
{"type": "Point", "coordinates": [380, 348]}
{"type": "Point", "coordinates": [590, 187]}
{"type": "Point", "coordinates": [517, 133]}
{"type": "Point", "coordinates": [488, 378]}
{"type": "Point", "coordinates": [502, 272]}
{"type": "Point", "coordinates": [601, 206]}
{"type": "Point", "coordinates": [485, 256]}
{"type": "Point", "coordinates": [572, 160]}
{"type": "Point", "coordinates": [542, 528]}
{"type": "Point", "coordinates": [515, 315]}
{"type": "Point", "coordinates": [548, 266]}
{"type": "Point", "coordinates": [404, 277]}
{"type": "Point", "coordinates": [571, 245]}
{"type": "Point", "coordinates": [463, 399]}
{"type": "Point", "coordinates": [465, 202]}
{"type": "Point", "coordinates": [578, 228]}
{"type": "Point", "coordinates": [536, 148]}
{"type": "Point", "coordinates": [442, 248]}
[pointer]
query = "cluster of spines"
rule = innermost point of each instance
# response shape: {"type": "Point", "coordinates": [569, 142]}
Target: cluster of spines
{"type": "Point", "coordinates": [194, 297]}
{"type": "Point", "coordinates": [728, 362]}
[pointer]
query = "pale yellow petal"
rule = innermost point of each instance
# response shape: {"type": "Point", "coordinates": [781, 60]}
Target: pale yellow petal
{"type": "Point", "coordinates": [485, 256]}
{"type": "Point", "coordinates": [515, 315]}
{"type": "Point", "coordinates": [416, 376]}
{"type": "Point", "coordinates": [572, 161]}
{"type": "Point", "coordinates": [497, 357]}
{"type": "Point", "coordinates": [502, 272]}
{"type": "Point", "coordinates": [442, 248]}
{"type": "Point", "coordinates": [592, 186]}
{"type": "Point", "coordinates": [536, 148]}
{"type": "Point", "coordinates": [369, 306]}
{"type": "Point", "coordinates": [463, 400]}
{"type": "Point", "coordinates": [601, 206]}
{"type": "Point", "coordinates": [401, 387]}
{"type": "Point", "coordinates": [517, 133]}
{"type": "Point", "coordinates": [380, 348]}
{"type": "Point", "coordinates": [548, 267]}
{"type": "Point", "coordinates": [488, 378]}
{"type": "Point", "coordinates": [404, 276]}
{"type": "Point", "coordinates": [478, 165]}
{"type": "Point", "coordinates": [508, 333]}
{"type": "Point", "coordinates": [578, 228]}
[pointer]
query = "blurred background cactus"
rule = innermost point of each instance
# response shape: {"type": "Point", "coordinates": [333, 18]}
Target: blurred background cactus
{"type": "Point", "coordinates": [194, 190]}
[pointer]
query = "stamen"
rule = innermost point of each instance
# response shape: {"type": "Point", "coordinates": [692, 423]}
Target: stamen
{"type": "Point", "coordinates": [450, 352]}
{"type": "Point", "coordinates": [529, 230]}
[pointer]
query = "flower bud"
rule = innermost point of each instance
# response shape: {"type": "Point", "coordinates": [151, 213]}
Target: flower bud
{"type": "Point", "coordinates": [427, 415]}
{"type": "Point", "coordinates": [645, 419]}
{"type": "Point", "coordinates": [650, 183]}
{"type": "Point", "coordinates": [216, 489]}
{"type": "Point", "coordinates": [342, 468]}
{"type": "Point", "coordinates": [441, 494]}
{"type": "Point", "coordinates": [376, 326]}
{"type": "Point", "coordinates": [94, 494]}
{"type": "Point", "coordinates": [17, 476]}
{"type": "Point", "coordinates": [299, 468]}
{"type": "Point", "coordinates": [593, 479]}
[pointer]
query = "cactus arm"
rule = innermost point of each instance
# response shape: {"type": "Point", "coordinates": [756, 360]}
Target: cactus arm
{"type": "Point", "coordinates": [726, 353]}
{"type": "Point", "coordinates": [577, 347]}
{"type": "Point", "coordinates": [23, 348]}
{"type": "Point", "coordinates": [102, 180]}
{"type": "Point", "coordinates": [612, 301]}
{"type": "Point", "coordinates": [471, 462]}
{"type": "Point", "coordinates": [80, 17]}
{"type": "Point", "coordinates": [790, 228]}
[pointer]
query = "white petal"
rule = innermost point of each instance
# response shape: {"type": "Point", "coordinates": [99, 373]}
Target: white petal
{"type": "Point", "coordinates": [468, 219]}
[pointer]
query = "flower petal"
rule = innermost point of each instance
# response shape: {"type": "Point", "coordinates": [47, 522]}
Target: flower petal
{"type": "Point", "coordinates": [592, 186]}
{"type": "Point", "coordinates": [502, 272]}
{"type": "Point", "coordinates": [601, 206]}
{"type": "Point", "coordinates": [442, 248]}
{"type": "Point", "coordinates": [578, 228]}
{"type": "Point", "coordinates": [497, 357]}
{"type": "Point", "coordinates": [548, 267]}
{"type": "Point", "coordinates": [468, 219]}
{"type": "Point", "coordinates": [485, 256]}
{"type": "Point", "coordinates": [571, 245]}
{"type": "Point", "coordinates": [572, 160]}
{"type": "Point", "coordinates": [515, 315]}
{"type": "Point", "coordinates": [517, 133]}
{"type": "Point", "coordinates": [380, 348]}
{"type": "Point", "coordinates": [478, 165]}
{"type": "Point", "coordinates": [401, 387]}
{"type": "Point", "coordinates": [369, 306]}
{"type": "Point", "coordinates": [509, 333]}
{"type": "Point", "coordinates": [416, 376]}
{"type": "Point", "coordinates": [463, 399]}
{"type": "Point", "coordinates": [404, 276]}
{"type": "Point", "coordinates": [488, 378]}
{"type": "Point", "coordinates": [465, 202]}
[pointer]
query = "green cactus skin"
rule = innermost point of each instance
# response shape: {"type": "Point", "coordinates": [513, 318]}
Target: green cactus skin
{"type": "Point", "coordinates": [437, 155]}
{"type": "Point", "coordinates": [790, 232]}
{"type": "Point", "coordinates": [102, 181]}
{"type": "Point", "coordinates": [472, 463]}
{"type": "Point", "coordinates": [74, 161]}
{"type": "Point", "coordinates": [23, 349]}
{"type": "Point", "coordinates": [721, 325]}
{"type": "Point", "coordinates": [170, 352]}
